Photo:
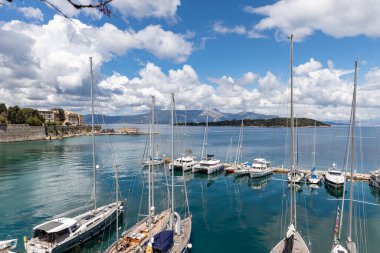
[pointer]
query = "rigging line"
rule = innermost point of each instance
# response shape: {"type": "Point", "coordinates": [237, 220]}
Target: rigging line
{"type": "Point", "coordinates": [358, 201]}
{"type": "Point", "coordinates": [363, 194]}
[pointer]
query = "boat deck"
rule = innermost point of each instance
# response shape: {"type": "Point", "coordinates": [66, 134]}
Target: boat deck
{"type": "Point", "coordinates": [181, 241]}
{"type": "Point", "coordinates": [299, 246]}
{"type": "Point", "coordinates": [136, 238]}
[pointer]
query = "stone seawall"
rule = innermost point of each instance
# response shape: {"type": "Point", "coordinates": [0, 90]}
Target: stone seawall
{"type": "Point", "coordinates": [22, 132]}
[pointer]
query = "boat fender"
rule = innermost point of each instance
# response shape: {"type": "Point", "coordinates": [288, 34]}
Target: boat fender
{"type": "Point", "coordinates": [189, 246]}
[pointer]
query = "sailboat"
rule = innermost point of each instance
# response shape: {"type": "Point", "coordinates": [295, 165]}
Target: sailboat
{"type": "Point", "coordinates": [175, 239]}
{"type": "Point", "coordinates": [314, 177]}
{"type": "Point", "coordinates": [237, 167]}
{"type": "Point", "coordinates": [297, 176]}
{"type": "Point", "coordinates": [208, 164]}
{"type": "Point", "coordinates": [293, 241]}
{"type": "Point", "coordinates": [141, 236]}
{"type": "Point", "coordinates": [63, 233]}
{"type": "Point", "coordinates": [186, 162]}
{"type": "Point", "coordinates": [337, 246]}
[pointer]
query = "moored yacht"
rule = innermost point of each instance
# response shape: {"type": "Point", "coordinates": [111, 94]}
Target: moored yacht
{"type": "Point", "coordinates": [296, 176]}
{"type": "Point", "coordinates": [158, 160]}
{"type": "Point", "coordinates": [209, 166]}
{"type": "Point", "coordinates": [335, 177]}
{"type": "Point", "coordinates": [62, 234]}
{"type": "Point", "coordinates": [260, 168]}
{"type": "Point", "coordinates": [185, 163]}
{"type": "Point", "coordinates": [313, 177]}
{"type": "Point", "coordinates": [374, 179]}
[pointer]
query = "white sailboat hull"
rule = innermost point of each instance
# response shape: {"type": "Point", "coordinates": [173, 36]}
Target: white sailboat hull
{"type": "Point", "coordinates": [296, 177]}
{"type": "Point", "coordinates": [90, 227]}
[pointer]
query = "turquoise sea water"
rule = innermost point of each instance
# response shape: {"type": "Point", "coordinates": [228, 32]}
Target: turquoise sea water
{"type": "Point", "coordinates": [44, 178]}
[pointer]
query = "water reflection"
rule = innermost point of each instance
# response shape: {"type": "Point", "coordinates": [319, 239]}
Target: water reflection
{"type": "Point", "coordinates": [335, 192]}
{"type": "Point", "coordinates": [259, 183]}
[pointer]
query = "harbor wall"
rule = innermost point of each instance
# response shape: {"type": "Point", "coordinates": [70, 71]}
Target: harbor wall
{"type": "Point", "coordinates": [24, 132]}
{"type": "Point", "coordinates": [21, 132]}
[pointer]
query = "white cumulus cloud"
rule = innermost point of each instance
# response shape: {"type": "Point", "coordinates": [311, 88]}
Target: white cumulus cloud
{"type": "Point", "coordinates": [338, 18]}
{"type": "Point", "coordinates": [31, 13]}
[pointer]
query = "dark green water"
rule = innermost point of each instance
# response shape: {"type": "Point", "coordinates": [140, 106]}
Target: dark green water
{"type": "Point", "coordinates": [42, 179]}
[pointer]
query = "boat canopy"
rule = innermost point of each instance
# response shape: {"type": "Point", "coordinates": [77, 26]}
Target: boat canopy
{"type": "Point", "coordinates": [163, 241]}
{"type": "Point", "coordinates": [56, 225]}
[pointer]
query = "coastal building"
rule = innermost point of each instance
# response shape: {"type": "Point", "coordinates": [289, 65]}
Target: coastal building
{"type": "Point", "coordinates": [73, 119]}
{"type": "Point", "coordinates": [48, 115]}
{"type": "Point", "coordinates": [52, 116]}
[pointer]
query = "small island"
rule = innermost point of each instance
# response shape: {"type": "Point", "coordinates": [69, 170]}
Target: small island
{"type": "Point", "coordinates": [274, 122]}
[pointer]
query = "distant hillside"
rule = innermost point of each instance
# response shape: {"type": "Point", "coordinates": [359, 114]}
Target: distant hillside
{"type": "Point", "coordinates": [274, 122]}
{"type": "Point", "coordinates": [163, 117]}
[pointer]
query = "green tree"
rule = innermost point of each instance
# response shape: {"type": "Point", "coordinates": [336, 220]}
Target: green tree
{"type": "Point", "coordinates": [15, 115]}
{"type": "Point", "coordinates": [3, 108]}
{"type": "Point", "coordinates": [34, 121]}
{"type": "Point", "coordinates": [61, 115]}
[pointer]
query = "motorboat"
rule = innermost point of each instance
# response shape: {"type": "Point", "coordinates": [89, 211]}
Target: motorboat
{"type": "Point", "coordinates": [335, 177]}
{"type": "Point", "coordinates": [260, 168]}
{"type": "Point", "coordinates": [374, 179]}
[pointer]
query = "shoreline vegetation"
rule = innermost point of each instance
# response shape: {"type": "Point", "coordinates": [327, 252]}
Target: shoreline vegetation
{"type": "Point", "coordinates": [274, 122]}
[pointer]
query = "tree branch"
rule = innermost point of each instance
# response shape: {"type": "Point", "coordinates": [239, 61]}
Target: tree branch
{"type": "Point", "coordinates": [80, 6]}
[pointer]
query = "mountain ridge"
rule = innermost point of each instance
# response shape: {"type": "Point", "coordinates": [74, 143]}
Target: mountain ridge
{"type": "Point", "coordinates": [163, 117]}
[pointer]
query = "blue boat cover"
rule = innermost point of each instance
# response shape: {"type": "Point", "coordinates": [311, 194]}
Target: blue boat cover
{"type": "Point", "coordinates": [209, 156]}
{"type": "Point", "coordinates": [163, 241]}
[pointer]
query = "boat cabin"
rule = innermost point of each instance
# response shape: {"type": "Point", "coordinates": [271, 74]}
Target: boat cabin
{"type": "Point", "coordinates": [56, 230]}
{"type": "Point", "coordinates": [260, 163]}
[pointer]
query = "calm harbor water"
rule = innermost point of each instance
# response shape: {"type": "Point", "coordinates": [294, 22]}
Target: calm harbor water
{"type": "Point", "coordinates": [45, 178]}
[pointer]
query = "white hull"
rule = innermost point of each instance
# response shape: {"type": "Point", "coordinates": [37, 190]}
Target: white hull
{"type": "Point", "coordinates": [296, 177]}
{"type": "Point", "coordinates": [313, 180]}
{"type": "Point", "coordinates": [185, 166]}
{"type": "Point", "coordinates": [256, 173]}
{"type": "Point", "coordinates": [90, 225]}
{"type": "Point", "coordinates": [241, 172]}
{"type": "Point", "coordinates": [155, 162]}
{"type": "Point", "coordinates": [335, 181]}
{"type": "Point", "coordinates": [209, 169]}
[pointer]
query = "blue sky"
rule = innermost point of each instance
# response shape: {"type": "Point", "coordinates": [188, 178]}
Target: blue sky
{"type": "Point", "coordinates": [231, 55]}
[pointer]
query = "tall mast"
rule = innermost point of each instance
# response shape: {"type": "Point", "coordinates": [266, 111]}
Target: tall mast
{"type": "Point", "coordinates": [292, 160]}
{"type": "Point", "coordinates": [315, 129]}
{"type": "Point", "coordinates": [172, 147]}
{"type": "Point", "coordinates": [204, 147]}
{"type": "Point", "coordinates": [240, 144]}
{"type": "Point", "coordinates": [153, 152]}
{"type": "Point", "coordinates": [117, 206]}
{"type": "Point", "coordinates": [92, 131]}
{"type": "Point", "coordinates": [206, 136]}
{"type": "Point", "coordinates": [352, 151]}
